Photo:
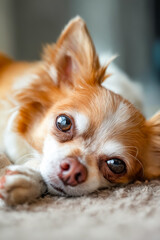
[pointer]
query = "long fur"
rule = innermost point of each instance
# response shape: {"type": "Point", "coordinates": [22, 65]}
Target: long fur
{"type": "Point", "coordinates": [68, 80]}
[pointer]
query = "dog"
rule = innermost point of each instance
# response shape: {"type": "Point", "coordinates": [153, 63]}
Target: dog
{"type": "Point", "coordinates": [65, 129]}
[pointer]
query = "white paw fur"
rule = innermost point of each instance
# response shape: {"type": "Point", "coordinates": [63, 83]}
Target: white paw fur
{"type": "Point", "coordinates": [22, 185]}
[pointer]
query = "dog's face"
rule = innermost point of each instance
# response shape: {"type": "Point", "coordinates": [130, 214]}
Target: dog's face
{"type": "Point", "coordinates": [91, 142]}
{"type": "Point", "coordinates": [88, 137]}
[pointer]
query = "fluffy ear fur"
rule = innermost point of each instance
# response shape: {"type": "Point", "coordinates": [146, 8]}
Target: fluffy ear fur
{"type": "Point", "coordinates": [72, 61]}
{"type": "Point", "coordinates": [73, 56]}
{"type": "Point", "coordinates": [152, 165]}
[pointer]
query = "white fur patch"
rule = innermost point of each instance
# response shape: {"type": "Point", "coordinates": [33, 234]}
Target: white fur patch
{"type": "Point", "coordinates": [114, 119]}
{"type": "Point", "coordinates": [112, 148]}
{"type": "Point", "coordinates": [25, 80]}
{"type": "Point", "coordinates": [81, 121]}
{"type": "Point", "coordinates": [16, 148]}
{"type": "Point", "coordinates": [121, 84]}
{"type": "Point", "coordinates": [50, 149]}
{"type": "Point", "coordinates": [53, 73]}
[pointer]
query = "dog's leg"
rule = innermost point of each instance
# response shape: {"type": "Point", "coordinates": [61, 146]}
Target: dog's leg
{"type": "Point", "coordinates": [20, 184]}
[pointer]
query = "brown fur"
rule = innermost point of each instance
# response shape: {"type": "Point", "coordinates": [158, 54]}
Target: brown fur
{"type": "Point", "coordinates": [78, 87]}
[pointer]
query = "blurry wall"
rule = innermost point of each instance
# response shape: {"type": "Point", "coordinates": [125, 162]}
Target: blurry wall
{"type": "Point", "coordinates": [7, 28]}
{"type": "Point", "coordinates": [120, 26]}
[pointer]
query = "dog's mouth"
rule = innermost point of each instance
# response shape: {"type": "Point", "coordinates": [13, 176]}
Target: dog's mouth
{"type": "Point", "coordinates": [59, 190]}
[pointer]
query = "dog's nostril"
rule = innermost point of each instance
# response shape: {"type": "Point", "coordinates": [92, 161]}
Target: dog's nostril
{"type": "Point", "coordinates": [65, 166]}
{"type": "Point", "coordinates": [78, 177]}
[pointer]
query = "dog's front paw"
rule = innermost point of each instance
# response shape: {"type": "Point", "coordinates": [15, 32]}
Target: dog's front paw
{"type": "Point", "coordinates": [20, 185]}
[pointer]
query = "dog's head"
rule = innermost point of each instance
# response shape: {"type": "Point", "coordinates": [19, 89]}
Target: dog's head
{"type": "Point", "coordinates": [88, 136]}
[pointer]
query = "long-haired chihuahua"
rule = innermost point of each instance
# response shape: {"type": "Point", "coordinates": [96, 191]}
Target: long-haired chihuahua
{"type": "Point", "coordinates": [61, 131]}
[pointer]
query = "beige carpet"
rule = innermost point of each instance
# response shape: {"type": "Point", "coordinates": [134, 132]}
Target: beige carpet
{"type": "Point", "coordinates": [131, 212]}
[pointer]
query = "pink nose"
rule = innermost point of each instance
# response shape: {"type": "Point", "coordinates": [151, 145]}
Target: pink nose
{"type": "Point", "coordinates": [72, 172]}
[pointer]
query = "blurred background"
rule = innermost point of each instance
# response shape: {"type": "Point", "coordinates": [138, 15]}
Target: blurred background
{"type": "Point", "coordinates": [130, 28]}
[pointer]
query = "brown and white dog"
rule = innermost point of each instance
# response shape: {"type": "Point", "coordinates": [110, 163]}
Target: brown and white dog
{"type": "Point", "coordinates": [62, 131]}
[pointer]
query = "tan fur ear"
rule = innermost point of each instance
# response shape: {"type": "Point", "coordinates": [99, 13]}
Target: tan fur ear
{"type": "Point", "coordinates": [74, 56]}
{"type": "Point", "coordinates": [152, 166]}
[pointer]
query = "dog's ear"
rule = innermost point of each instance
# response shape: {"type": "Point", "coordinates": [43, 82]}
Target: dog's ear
{"type": "Point", "coordinates": [73, 58]}
{"type": "Point", "coordinates": [152, 160]}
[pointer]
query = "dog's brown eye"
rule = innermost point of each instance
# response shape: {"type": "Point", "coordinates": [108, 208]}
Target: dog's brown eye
{"type": "Point", "coordinates": [116, 165]}
{"type": "Point", "coordinates": [63, 123]}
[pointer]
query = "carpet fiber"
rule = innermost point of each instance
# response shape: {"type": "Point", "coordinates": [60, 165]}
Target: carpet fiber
{"type": "Point", "coordinates": [131, 212]}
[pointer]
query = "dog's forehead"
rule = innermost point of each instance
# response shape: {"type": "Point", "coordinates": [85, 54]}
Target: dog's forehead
{"type": "Point", "coordinates": [99, 114]}
{"type": "Point", "coordinates": [107, 116]}
{"type": "Point", "coordinates": [100, 127]}
{"type": "Point", "coordinates": [94, 102]}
